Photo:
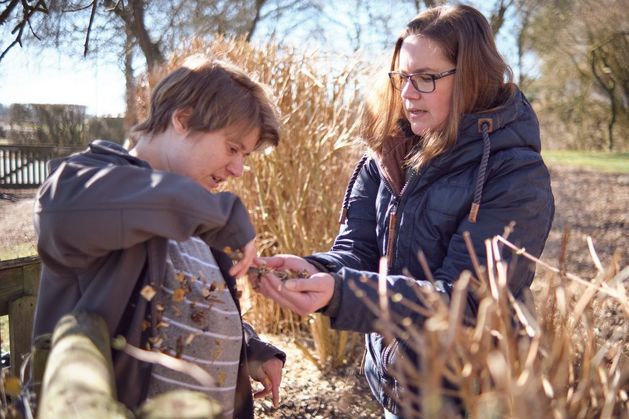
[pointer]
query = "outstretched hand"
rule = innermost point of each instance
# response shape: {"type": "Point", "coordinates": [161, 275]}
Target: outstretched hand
{"type": "Point", "coordinates": [300, 295]}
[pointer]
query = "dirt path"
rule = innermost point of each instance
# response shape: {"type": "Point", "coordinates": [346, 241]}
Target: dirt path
{"type": "Point", "coordinates": [589, 204]}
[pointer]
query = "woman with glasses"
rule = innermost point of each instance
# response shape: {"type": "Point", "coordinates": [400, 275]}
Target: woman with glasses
{"type": "Point", "coordinates": [454, 147]}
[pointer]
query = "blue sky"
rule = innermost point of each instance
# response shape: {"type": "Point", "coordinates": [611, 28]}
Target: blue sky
{"type": "Point", "coordinates": [28, 75]}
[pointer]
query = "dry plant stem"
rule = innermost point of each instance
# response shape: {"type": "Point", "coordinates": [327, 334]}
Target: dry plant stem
{"type": "Point", "coordinates": [597, 261]}
{"type": "Point", "coordinates": [168, 361]}
{"type": "Point", "coordinates": [570, 276]}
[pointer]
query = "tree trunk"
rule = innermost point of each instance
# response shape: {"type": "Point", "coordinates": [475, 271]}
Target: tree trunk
{"type": "Point", "coordinates": [150, 49]}
{"type": "Point", "coordinates": [256, 19]}
{"type": "Point", "coordinates": [131, 115]}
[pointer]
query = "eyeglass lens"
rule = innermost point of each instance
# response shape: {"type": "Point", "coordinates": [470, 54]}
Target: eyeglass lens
{"type": "Point", "coordinates": [420, 82]}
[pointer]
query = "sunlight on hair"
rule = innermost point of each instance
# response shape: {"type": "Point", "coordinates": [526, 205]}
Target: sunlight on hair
{"type": "Point", "coordinates": [195, 61]}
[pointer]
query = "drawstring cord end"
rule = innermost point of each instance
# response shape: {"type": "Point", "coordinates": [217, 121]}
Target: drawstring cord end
{"type": "Point", "coordinates": [474, 212]}
{"type": "Point", "coordinates": [343, 215]}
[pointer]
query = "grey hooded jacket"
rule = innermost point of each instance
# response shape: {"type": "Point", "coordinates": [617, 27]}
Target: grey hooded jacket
{"type": "Point", "coordinates": [103, 220]}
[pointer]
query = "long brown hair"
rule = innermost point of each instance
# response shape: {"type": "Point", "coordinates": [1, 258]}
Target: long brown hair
{"type": "Point", "coordinates": [482, 80]}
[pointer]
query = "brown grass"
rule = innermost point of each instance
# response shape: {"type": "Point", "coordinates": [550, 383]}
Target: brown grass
{"type": "Point", "coordinates": [568, 360]}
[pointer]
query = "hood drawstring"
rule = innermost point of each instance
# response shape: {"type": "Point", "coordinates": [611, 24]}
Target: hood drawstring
{"type": "Point", "coordinates": [350, 185]}
{"type": "Point", "coordinates": [485, 125]}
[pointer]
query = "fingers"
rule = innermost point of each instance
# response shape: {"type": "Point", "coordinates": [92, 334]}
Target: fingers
{"type": "Point", "coordinates": [272, 262]}
{"type": "Point", "coordinates": [268, 388]}
{"type": "Point", "coordinates": [275, 373]}
{"type": "Point", "coordinates": [275, 390]}
{"type": "Point", "coordinates": [248, 255]}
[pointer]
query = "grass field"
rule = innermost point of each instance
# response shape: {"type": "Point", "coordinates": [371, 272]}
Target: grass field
{"type": "Point", "coordinates": [594, 160]}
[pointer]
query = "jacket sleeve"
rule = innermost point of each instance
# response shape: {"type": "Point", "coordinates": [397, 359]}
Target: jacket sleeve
{"type": "Point", "coordinates": [259, 351]}
{"type": "Point", "coordinates": [518, 190]}
{"type": "Point", "coordinates": [84, 212]}
{"type": "Point", "coordinates": [356, 245]}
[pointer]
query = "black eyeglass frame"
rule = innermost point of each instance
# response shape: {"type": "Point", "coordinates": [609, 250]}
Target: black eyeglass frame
{"type": "Point", "coordinates": [406, 77]}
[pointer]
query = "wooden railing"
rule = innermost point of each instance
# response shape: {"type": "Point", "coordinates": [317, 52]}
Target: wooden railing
{"type": "Point", "coordinates": [19, 280]}
{"type": "Point", "coordinates": [25, 166]}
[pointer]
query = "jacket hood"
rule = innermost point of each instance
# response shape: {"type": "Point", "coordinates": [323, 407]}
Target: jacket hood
{"type": "Point", "coordinates": [513, 124]}
{"type": "Point", "coordinates": [103, 149]}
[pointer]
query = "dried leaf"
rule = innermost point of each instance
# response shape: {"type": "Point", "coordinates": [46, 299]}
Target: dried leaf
{"type": "Point", "coordinates": [180, 277]}
{"type": "Point", "coordinates": [197, 316]}
{"type": "Point", "coordinates": [190, 338]}
{"type": "Point", "coordinates": [12, 385]}
{"type": "Point", "coordinates": [179, 295]}
{"type": "Point", "coordinates": [148, 292]}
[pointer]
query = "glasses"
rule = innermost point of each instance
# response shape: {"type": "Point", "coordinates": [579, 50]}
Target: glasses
{"type": "Point", "coordinates": [422, 82]}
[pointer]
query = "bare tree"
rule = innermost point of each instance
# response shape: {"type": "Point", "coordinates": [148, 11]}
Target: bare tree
{"type": "Point", "coordinates": [151, 29]}
{"type": "Point", "coordinates": [584, 78]}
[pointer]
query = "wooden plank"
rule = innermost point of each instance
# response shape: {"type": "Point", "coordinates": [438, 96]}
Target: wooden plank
{"type": "Point", "coordinates": [79, 374]}
{"type": "Point", "coordinates": [21, 313]}
{"type": "Point", "coordinates": [181, 404]}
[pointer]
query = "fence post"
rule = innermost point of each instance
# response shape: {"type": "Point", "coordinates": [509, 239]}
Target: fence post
{"type": "Point", "coordinates": [21, 312]}
{"type": "Point", "coordinates": [19, 280]}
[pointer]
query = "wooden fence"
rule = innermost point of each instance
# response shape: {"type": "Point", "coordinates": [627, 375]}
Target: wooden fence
{"type": "Point", "coordinates": [19, 280]}
{"type": "Point", "coordinates": [25, 166]}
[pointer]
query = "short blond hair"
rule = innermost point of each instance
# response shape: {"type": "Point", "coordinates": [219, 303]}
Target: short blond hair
{"type": "Point", "coordinates": [214, 95]}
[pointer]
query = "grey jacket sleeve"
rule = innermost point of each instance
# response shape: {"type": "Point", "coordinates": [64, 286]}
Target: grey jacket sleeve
{"type": "Point", "coordinates": [259, 351]}
{"type": "Point", "coordinates": [86, 212]}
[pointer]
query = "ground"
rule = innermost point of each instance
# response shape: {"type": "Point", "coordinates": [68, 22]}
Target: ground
{"type": "Point", "coordinates": [588, 204]}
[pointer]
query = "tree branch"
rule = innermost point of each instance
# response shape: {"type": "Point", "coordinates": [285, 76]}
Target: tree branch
{"type": "Point", "coordinates": [89, 28]}
{"type": "Point", "coordinates": [28, 12]}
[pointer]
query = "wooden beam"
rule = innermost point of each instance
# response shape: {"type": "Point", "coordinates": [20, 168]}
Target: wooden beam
{"type": "Point", "coordinates": [79, 375]}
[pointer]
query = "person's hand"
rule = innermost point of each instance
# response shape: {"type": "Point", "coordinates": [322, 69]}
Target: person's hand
{"type": "Point", "coordinates": [301, 295]}
{"type": "Point", "coordinates": [285, 263]}
{"type": "Point", "coordinates": [270, 375]}
{"type": "Point", "coordinates": [248, 255]}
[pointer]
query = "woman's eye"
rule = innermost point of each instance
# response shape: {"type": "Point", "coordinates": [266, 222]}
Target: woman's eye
{"type": "Point", "coordinates": [425, 77]}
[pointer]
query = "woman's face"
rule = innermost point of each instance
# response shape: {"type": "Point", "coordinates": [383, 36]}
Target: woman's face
{"type": "Point", "coordinates": [426, 112]}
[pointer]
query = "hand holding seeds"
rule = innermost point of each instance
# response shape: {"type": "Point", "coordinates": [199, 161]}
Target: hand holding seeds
{"type": "Point", "coordinates": [292, 282]}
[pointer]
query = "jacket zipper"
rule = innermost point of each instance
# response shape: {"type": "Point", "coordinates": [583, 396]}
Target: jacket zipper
{"type": "Point", "coordinates": [391, 236]}
{"type": "Point", "coordinates": [393, 219]}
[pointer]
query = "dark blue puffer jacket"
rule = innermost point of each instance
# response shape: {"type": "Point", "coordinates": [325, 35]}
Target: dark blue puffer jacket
{"type": "Point", "coordinates": [432, 212]}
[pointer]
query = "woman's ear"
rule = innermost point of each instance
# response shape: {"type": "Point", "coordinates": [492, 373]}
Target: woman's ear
{"type": "Point", "coordinates": [179, 120]}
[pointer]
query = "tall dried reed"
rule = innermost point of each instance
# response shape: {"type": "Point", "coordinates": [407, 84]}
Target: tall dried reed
{"type": "Point", "coordinates": [570, 359]}
{"type": "Point", "coordinates": [294, 193]}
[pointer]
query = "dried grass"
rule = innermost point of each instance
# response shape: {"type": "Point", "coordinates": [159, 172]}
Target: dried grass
{"type": "Point", "coordinates": [294, 192]}
{"type": "Point", "coordinates": [566, 357]}
{"type": "Point", "coordinates": [569, 359]}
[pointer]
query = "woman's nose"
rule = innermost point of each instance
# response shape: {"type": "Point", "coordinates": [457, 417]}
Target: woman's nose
{"type": "Point", "coordinates": [408, 90]}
